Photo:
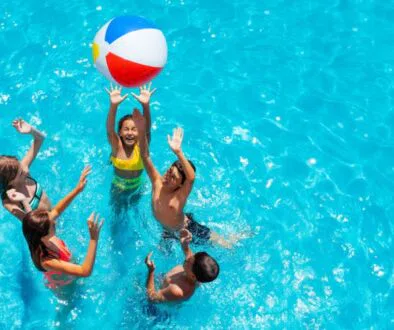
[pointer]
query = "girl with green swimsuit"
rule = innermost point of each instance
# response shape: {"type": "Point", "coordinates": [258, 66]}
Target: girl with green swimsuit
{"type": "Point", "coordinates": [15, 176]}
{"type": "Point", "coordinates": [125, 151]}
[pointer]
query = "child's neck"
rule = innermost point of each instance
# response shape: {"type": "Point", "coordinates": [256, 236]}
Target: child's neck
{"type": "Point", "coordinates": [128, 150]}
{"type": "Point", "coordinates": [189, 279]}
{"type": "Point", "coordinates": [20, 184]}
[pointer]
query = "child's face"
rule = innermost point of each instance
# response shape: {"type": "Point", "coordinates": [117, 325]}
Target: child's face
{"type": "Point", "coordinates": [128, 132]}
{"type": "Point", "coordinates": [172, 178]}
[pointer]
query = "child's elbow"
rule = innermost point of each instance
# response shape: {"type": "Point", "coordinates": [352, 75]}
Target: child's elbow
{"type": "Point", "coordinates": [85, 272]}
{"type": "Point", "coordinates": [153, 296]}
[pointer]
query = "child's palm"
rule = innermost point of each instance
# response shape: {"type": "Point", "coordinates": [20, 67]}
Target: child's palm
{"type": "Point", "coordinates": [115, 95]}
{"type": "Point", "coordinates": [21, 126]}
{"type": "Point", "coordinates": [116, 98]}
{"type": "Point", "coordinates": [144, 97]}
{"type": "Point", "coordinates": [145, 94]}
{"type": "Point", "coordinates": [176, 141]}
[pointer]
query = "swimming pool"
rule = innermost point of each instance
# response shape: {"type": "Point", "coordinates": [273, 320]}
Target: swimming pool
{"type": "Point", "coordinates": [287, 111]}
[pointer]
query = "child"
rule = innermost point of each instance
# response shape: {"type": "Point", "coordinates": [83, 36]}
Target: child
{"type": "Point", "coordinates": [50, 254]}
{"type": "Point", "coordinates": [170, 192]}
{"type": "Point", "coordinates": [15, 175]}
{"type": "Point", "coordinates": [125, 154]}
{"type": "Point", "coordinates": [181, 281]}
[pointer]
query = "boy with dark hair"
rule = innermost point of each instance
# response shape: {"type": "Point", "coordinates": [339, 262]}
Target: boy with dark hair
{"type": "Point", "coordinates": [181, 281]}
{"type": "Point", "coordinates": [170, 191]}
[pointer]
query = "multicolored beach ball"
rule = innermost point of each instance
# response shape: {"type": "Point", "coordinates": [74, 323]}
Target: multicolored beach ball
{"type": "Point", "coordinates": [129, 50]}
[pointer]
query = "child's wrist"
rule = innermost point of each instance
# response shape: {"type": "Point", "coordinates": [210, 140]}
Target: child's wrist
{"type": "Point", "coordinates": [36, 133]}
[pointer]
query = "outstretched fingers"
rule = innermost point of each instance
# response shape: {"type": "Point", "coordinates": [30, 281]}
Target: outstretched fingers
{"type": "Point", "coordinates": [86, 171]}
{"type": "Point", "coordinates": [147, 259]}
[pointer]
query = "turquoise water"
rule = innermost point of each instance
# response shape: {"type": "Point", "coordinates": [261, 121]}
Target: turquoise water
{"type": "Point", "coordinates": [287, 111]}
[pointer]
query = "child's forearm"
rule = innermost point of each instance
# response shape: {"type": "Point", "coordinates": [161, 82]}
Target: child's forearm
{"type": "Point", "coordinates": [189, 172]}
{"type": "Point", "coordinates": [37, 135]}
{"type": "Point", "coordinates": [111, 119]}
{"type": "Point", "coordinates": [143, 143]}
{"type": "Point", "coordinates": [35, 147]}
{"type": "Point", "coordinates": [150, 285]}
{"type": "Point", "coordinates": [146, 113]}
{"type": "Point", "coordinates": [88, 263]}
{"type": "Point", "coordinates": [113, 109]}
{"type": "Point", "coordinates": [66, 201]}
{"type": "Point", "coordinates": [187, 251]}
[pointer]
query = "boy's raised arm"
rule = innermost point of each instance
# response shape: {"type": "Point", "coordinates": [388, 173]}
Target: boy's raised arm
{"type": "Point", "coordinates": [139, 121]}
{"type": "Point", "coordinates": [175, 144]}
{"type": "Point", "coordinates": [144, 99]}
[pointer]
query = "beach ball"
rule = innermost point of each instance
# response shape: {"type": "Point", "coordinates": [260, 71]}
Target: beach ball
{"type": "Point", "coordinates": [129, 50]}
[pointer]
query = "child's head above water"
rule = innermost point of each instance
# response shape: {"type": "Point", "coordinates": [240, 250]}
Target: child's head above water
{"type": "Point", "coordinates": [175, 175]}
{"type": "Point", "coordinates": [127, 130]}
{"type": "Point", "coordinates": [36, 225]}
{"type": "Point", "coordinates": [10, 169]}
{"type": "Point", "coordinates": [202, 267]}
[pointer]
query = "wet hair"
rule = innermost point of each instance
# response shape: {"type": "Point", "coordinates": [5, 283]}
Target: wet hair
{"type": "Point", "coordinates": [36, 225]}
{"type": "Point", "coordinates": [122, 120]}
{"type": "Point", "coordinates": [179, 166]}
{"type": "Point", "coordinates": [205, 268]}
{"type": "Point", "coordinates": [9, 167]}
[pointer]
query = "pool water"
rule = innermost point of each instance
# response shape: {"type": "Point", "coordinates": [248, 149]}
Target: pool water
{"type": "Point", "coordinates": [287, 108]}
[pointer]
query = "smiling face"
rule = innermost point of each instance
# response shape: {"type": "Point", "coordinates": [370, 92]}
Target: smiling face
{"type": "Point", "coordinates": [128, 132]}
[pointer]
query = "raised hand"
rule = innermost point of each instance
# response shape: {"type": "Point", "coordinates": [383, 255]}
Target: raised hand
{"type": "Point", "coordinates": [94, 226]}
{"type": "Point", "coordinates": [185, 237]}
{"type": "Point", "coordinates": [115, 95]}
{"type": "Point", "coordinates": [176, 141]}
{"type": "Point", "coordinates": [22, 127]}
{"type": "Point", "coordinates": [149, 263]}
{"type": "Point", "coordinates": [139, 121]}
{"type": "Point", "coordinates": [15, 196]}
{"type": "Point", "coordinates": [145, 94]}
{"type": "Point", "coordinates": [83, 178]}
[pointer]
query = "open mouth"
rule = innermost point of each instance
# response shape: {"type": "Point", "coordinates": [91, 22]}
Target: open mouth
{"type": "Point", "coordinates": [129, 139]}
